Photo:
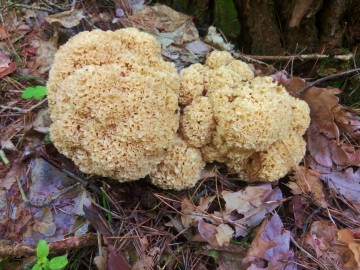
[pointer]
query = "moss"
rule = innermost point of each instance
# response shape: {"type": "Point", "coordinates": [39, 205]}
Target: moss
{"type": "Point", "coordinates": [226, 18]}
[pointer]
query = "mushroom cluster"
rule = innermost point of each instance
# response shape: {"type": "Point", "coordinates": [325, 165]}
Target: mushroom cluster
{"type": "Point", "coordinates": [249, 123]}
{"type": "Point", "coordinates": [113, 102]}
{"type": "Point", "coordinates": [120, 111]}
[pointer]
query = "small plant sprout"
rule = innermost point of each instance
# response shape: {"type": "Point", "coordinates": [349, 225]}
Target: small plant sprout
{"type": "Point", "coordinates": [43, 263]}
{"type": "Point", "coordinates": [37, 92]}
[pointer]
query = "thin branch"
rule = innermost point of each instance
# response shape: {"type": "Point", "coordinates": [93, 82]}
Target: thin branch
{"type": "Point", "coordinates": [48, 200]}
{"type": "Point", "coordinates": [315, 56]}
{"type": "Point", "coordinates": [58, 247]}
{"type": "Point", "coordinates": [333, 76]}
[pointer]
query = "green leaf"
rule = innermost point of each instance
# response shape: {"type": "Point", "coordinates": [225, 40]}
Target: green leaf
{"type": "Point", "coordinates": [58, 263]}
{"type": "Point", "coordinates": [37, 92]}
{"type": "Point", "coordinates": [42, 249]}
{"type": "Point", "coordinates": [214, 253]}
{"type": "Point", "coordinates": [36, 267]}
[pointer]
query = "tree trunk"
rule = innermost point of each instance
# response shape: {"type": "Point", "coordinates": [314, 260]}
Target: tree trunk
{"type": "Point", "coordinates": [274, 27]}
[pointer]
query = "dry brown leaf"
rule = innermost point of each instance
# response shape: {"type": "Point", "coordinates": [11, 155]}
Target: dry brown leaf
{"type": "Point", "coordinates": [3, 32]}
{"type": "Point", "coordinates": [168, 25]}
{"type": "Point", "coordinates": [42, 221]}
{"type": "Point", "coordinates": [355, 248]}
{"type": "Point", "coordinates": [271, 244]}
{"type": "Point", "coordinates": [307, 181]}
{"type": "Point", "coordinates": [327, 152]}
{"type": "Point", "coordinates": [298, 208]}
{"type": "Point", "coordinates": [7, 145]}
{"type": "Point", "coordinates": [292, 84]}
{"type": "Point", "coordinates": [321, 235]}
{"type": "Point", "coordinates": [215, 235]}
{"type": "Point", "coordinates": [345, 236]}
{"type": "Point", "coordinates": [347, 121]}
{"type": "Point", "coordinates": [68, 19]}
{"type": "Point", "coordinates": [4, 59]}
{"type": "Point", "coordinates": [328, 243]}
{"type": "Point", "coordinates": [345, 183]}
{"type": "Point", "coordinates": [45, 53]}
{"type": "Point", "coordinates": [117, 261]}
{"type": "Point", "coordinates": [101, 260]}
{"type": "Point", "coordinates": [198, 47]}
{"type": "Point", "coordinates": [146, 262]}
{"type": "Point", "coordinates": [191, 214]}
{"type": "Point", "coordinates": [46, 225]}
{"type": "Point", "coordinates": [252, 204]}
{"type": "Point", "coordinates": [8, 70]}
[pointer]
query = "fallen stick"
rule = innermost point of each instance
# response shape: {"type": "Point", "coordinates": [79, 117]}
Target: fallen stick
{"type": "Point", "coordinates": [314, 56]}
{"type": "Point", "coordinates": [58, 247]}
{"type": "Point", "coordinates": [333, 76]}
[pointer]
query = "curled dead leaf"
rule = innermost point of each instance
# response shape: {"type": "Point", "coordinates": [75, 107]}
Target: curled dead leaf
{"type": "Point", "coordinates": [272, 244]}
{"type": "Point", "coordinates": [345, 183]}
{"type": "Point", "coordinates": [307, 181]}
{"type": "Point", "coordinates": [168, 25]}
{"type": "Point", "coordinates": [247, 208]}
{"type": "Point", "coordinates": [215, 235]}
{"type": "Point", "coordinates": [68, 19]}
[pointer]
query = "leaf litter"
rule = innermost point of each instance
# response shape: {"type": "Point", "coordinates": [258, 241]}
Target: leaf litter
{"type": "Point", "coordinates": [175, 229]}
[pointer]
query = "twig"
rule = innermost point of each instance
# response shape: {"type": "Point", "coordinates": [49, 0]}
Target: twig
{"type": "Point", "coordinates": [73, 5]}
{"type": "Point", "coordinates": [68, 173]}
{"type": "Point", "coordinates": [4, 158]}
{"type": "Point", "coordinates": [58, 247]}
{"type": "Point", "coordinates": [21, 110]}
{"type": "Point", "coordinates": [308, 254]}
{"type": "Point", "coordinates": [48, 200]}
{"type": "Point", "coordinates": [315, 56]}
{"type": "Point", "coordinates": [30, 7]}
{"type": "Point", "coordinates": [333, 76]}
{"type": "Point", "coordinates": [51, 4]}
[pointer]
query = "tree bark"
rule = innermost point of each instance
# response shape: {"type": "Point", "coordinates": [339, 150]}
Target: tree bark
{"type": "Point", "coordinates": [277, 27]}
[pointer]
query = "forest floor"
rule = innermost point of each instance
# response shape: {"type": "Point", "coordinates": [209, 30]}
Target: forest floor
{"type": "Point", "coordinates": [310, 219]}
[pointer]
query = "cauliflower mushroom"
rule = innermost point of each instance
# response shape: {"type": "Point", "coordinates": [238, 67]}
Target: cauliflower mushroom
{"type": "Point", "coordinates": [180, 169]}
{"type": "Point", "coordinates": [113, 103]}
{"type": "Point", "coordinates": [258, 126]}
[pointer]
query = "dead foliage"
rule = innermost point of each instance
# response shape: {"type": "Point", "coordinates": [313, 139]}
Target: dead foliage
{"type": "Point", "coordinates": [309, 219]}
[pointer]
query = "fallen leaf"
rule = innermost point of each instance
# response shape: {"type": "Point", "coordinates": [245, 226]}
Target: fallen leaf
{"type": "Point", "coordinates": [345, 236]}
{"type": "Point", "coordinates": [46, 225]}
{"type": "Point", "coordinates": [198, 47]}
{"type": "Point", "coordinates": [146, 262]}
{"type": "Point", "coordinates": [7, 145]}
{"type": "Point", "coordinates": [272, 244]}
{"type": "Point", "coordinates": [322, 234]}
{"type": "Point", "coordinates": [45, 53]}
{"type": "Point", "coordinates": [3, 32]}
{"type": "Point", "coordinates": [166, 24]}
{"type": "Point", "coordinates": [117, 261]}
{"type": "Point", "coordinates": [4, 59]}
{"type": "Point", "coordinates": [345, 183]}
{"type": "Point", "coordinates": [6, 192]}
{"type": "Point", "coordinates": [8, 70]}
{"type": "Point", "coordinates": [101, 260]}
{"type": "Point", "coordinates": [323, 239]}
{"type": "Point", "coordinates": [292, 84]}
{"type": "Point", "coordinates": [247, 208]}
{"type": "Point", "coordinates": [327, 152]}
{"type": "Point", "coordinates": [298, 209]}
{"type": "Point", "coordinates": [68, 19]}
{"type": "Point", "coordinates": [215, 38]}
{"type": "Point", "coordinates": [215, 235]}
{"type": "Point", "coordinates": [347, 120]}
{"type": "Point", "coordinates": [191, 213]}
{"type": "Point", "coordinates": [355, 248]}
{"type": "Point", "coordinates": [96, 218]}
{"type": "Point", "coordinates": [307, 181]}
